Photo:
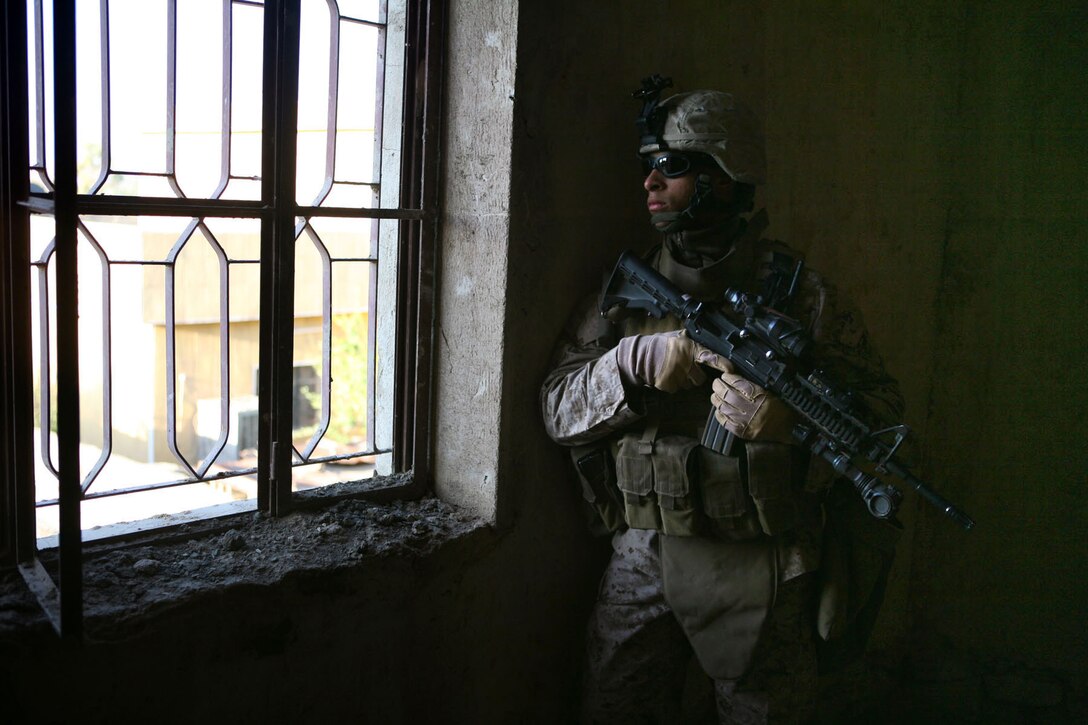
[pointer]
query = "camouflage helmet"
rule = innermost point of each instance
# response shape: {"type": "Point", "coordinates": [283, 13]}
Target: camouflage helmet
{"type": "Point", "coordinates": [716, 124]}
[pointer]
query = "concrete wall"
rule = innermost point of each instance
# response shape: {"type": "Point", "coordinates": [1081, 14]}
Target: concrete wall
{"type": "Point", "coordinates": [532, 594]}
{"type": "Point", "coordinates": [472, 256]}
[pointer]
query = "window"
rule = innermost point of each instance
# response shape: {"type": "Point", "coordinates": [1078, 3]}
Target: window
{"type": "Point", "coordinates": [217, 252]}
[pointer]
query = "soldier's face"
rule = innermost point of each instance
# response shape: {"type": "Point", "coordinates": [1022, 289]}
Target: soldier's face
{"type": "Point", "coordinates": [672, 192]}
{"type": "Point", "coordinates": [664, 193]}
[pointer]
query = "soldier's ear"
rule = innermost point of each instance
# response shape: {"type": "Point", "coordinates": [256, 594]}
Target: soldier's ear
{"type": "Point", "coordinates": [723, 187]}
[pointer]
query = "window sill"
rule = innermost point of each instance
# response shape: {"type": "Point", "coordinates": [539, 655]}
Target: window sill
{"type": "Point", "coordinates": [128, 583]}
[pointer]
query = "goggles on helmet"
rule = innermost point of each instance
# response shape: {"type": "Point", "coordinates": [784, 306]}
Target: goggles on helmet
{"type": "Point", "coordinates": [672, 164]}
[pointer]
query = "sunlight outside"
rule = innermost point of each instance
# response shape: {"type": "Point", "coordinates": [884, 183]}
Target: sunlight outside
{"type": "Point", "coordinates": [169, 105]}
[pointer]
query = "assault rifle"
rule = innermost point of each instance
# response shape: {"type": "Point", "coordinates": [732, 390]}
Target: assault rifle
{"type": "Point", "coordinates": [769, 349]}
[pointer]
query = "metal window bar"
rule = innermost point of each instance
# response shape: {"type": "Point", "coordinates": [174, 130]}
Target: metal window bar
{"type": "Point", "coordinates": [280, 123]}
{"type": "Point", "coordinates": [42, 265]}
{"type": "Point", "coordinates": [283, 223]}
{"type": "Point", "coordinates": [425, 34]}
{"type": "Point", "coordinates": [70, 615]}
{"type": "Point", "coordinates": [17, 447]}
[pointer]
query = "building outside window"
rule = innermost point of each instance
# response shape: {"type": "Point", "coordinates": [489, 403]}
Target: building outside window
{"type": "Point", "coordinates": [216, 216]}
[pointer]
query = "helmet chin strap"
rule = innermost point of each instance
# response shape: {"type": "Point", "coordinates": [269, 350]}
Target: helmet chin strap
{"type": "Point", "coordinates": [703, 210]}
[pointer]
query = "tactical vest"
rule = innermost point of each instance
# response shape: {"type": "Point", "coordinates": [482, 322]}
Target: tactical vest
{"type": "Point", "coordinates": [659, 477]}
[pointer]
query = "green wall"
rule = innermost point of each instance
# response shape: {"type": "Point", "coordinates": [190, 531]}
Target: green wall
{"type": "Point", "coordinates": [1007, 417]}
{"type": "Point", "coordinates": [930, 156]}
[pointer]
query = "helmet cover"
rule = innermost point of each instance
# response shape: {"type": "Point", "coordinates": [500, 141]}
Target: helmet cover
{"type": "Point", "coordinates": [716, 124]}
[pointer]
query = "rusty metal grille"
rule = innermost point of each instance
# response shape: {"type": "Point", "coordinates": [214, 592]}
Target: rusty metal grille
{"type": "Point", "coordinates": [219, 237]}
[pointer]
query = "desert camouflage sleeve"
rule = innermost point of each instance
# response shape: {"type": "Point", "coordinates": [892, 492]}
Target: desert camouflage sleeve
{"type": "Point", "coordinates": [582, 398]}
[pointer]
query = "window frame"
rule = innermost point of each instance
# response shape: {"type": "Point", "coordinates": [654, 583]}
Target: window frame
{"type": "Point", "coordinates": [277, 211]}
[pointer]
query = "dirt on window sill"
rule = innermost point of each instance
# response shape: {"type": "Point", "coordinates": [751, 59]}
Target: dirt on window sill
{"type": "Point", "coordinates": [132, 580]}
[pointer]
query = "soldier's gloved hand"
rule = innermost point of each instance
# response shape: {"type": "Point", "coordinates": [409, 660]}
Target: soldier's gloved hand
{"type": "Point", "coordinates": [744, 408]}
{"type": "Point", "coordinates": [665, 361]}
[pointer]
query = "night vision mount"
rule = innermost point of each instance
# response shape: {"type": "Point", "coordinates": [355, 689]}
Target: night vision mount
{"type": "Point", "coordinates": [651, 122]}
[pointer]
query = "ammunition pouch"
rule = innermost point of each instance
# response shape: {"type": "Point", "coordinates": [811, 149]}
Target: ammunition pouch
{"type": "Point", "coordinates": [775, 477]}
{"type": "Point", "coordinates": [674, 485]}
{"type": "Point", "coordinates": [655, 477]}
{"type": "Point", "coordinates": [598, 478]}
{"type": "Point", "coordinates": [728, 507]}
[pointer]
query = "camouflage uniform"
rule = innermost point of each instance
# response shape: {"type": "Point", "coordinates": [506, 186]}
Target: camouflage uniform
{"type": "Point", "coordinates": [637, 655]}
{"type": "Point", "coordinates": [642, 633]}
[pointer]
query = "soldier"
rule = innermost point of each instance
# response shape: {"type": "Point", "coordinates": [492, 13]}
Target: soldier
{"type": "Point", "coordinates": [712, 554]}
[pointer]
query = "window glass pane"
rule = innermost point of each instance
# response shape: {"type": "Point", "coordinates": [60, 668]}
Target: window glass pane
{"type": "Point", "coordinates": [335, 339]}
{"type": "Point", "coordinates": [43, 334]}
{"type": "Point", "coordinates": [371, 10]}
{"type": "Point", "coordinates": [40, 76]}
{"type": "Point", "coordinates": [316, 103]}
{"type": "Point", "coordinates": [360, 46]}
{"type": "Point", "coordinates": [167, 380]}
{"type": "Point", "coordinates": [137, 84]}
{"type": "Point", "coordinates": [169, 109]}
{"type": "Point", "coordinates": [202, 115]}
{"type": "Point", "coordinates": [247, 32]}
{"type": "Point", "coordinates": [90, 143]}
{"type": "Point", "coordinates": [151, 128]}
{"type": "Point", "coordinates": [340, 93]}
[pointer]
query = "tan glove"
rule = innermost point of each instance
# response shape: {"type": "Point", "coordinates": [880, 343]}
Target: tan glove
{"type": "Point", "coordinates": [665, 361]}
{"type": "Point", "coordinates": [744, 408]}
